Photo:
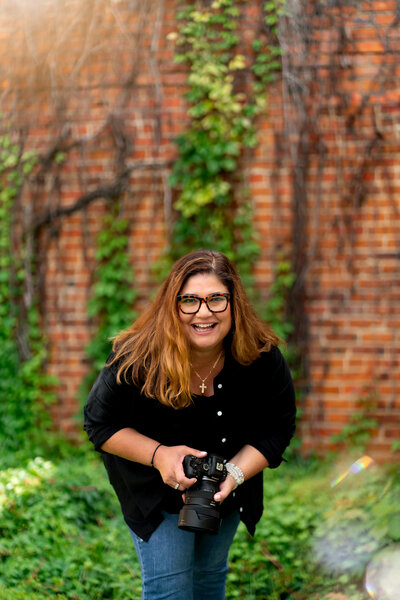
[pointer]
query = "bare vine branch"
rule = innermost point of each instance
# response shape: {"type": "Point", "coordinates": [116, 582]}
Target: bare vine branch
{"type": "Point", "coordinates": [111, 190]}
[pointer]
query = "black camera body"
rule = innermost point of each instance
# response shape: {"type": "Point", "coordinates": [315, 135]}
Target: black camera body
{"type": "Point", "coordinates": [200, 512]}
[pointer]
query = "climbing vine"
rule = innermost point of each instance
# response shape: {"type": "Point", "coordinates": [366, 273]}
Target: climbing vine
{"type": "Point", "coordinates": [276, 306]}
{"type": "Point", "coordinates": [93, 27]}
{"type": "Point", "coordinates": [113, 294]}
{"type": "Point", "coordinates": [362, 425]}
{"type": "Point", "coordinates": [222, 125]}
{"type": "Point", "coordinates": [25, 388]}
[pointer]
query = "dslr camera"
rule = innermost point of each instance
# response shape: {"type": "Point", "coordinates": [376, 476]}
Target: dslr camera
{"type": "Point", "coordinates": [200, 513]}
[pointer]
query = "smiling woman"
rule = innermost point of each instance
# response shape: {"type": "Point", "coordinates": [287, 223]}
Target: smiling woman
{"type": "Point", "coordinates": [158, 351]}
{"type": "Point", "coordinates": [206, 321]}
{"type": "Point", "coordinates": [147, 412]}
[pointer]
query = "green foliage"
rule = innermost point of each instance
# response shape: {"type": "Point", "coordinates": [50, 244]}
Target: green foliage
{"type": "Point", "coordinates": [222, 126]}
{"type": "Point", "coordinates": [358, 431]}
{"type": "Point", "coordinates": [314, 540]}
{"type": "Point", "coordinates": [395, 446]}
{"type": "Point", "coordinates": [273, 561]}
{"type": "Point", "coordinates": [113, 295]}
{"type": "Point", "coordinates": [276, 315]}
{"type": "Point", "coordinates": [361, 521]}
{"type": "Point", "coordinates": [62, 535]}
{"type": "Point", "coordinates": [25, 389]}
{"type": "Point", "coordinates": [268, 55]}
{"type": "Point", "coordinates": [275, 309]}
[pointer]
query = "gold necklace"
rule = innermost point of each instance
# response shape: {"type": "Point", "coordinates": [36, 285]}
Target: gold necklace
{"type": "Point", "coordinates": [203, 381]}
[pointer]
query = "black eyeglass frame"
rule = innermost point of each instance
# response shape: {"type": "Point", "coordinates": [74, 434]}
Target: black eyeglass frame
{"type": "Point", "coordinates": [205, 300]}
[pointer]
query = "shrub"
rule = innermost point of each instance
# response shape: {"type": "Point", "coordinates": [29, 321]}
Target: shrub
{"type": "Point", "coordinates": [63, 537]}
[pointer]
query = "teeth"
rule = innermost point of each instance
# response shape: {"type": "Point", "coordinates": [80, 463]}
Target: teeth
{"type": "Point", "coordinates": [203, 326]}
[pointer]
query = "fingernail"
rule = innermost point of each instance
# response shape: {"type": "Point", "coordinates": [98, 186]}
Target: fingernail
{"type": "Point", "coordinates": [217, 497]}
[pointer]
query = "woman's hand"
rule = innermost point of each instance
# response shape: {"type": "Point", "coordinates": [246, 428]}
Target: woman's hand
{"type": "Point", "coordinates": [168, 460]}
{"type": "Point", "coordinates": [225, 488]}
{"type": "Point", "coordinates": [250, 461]}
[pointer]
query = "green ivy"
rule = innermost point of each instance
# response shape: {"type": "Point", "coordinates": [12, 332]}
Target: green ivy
{"type": "Point", "coordinates": [276, 314]}
{"type": "Point", "coordinates": [395, 447]}
{"type": "Point", "coordinates": [222, 125]}
{"type": "Point", "coordinates": [25, 388]}
{"type": "Point", "coordinates": [312, 542]}
{"type": "Point", "coordinates": [356, 434]}
{"type": "Point", "coordinates": [268, 52]}
{"type": "Point", "coordinates": [113, 294]}
{"type": "Point", "coordinates": [275, 309]}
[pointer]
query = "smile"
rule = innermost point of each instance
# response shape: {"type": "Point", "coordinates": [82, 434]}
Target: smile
{"type": "Point", "coordinates": [203, 326]}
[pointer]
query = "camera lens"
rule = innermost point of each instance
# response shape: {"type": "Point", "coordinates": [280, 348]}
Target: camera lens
{"type": "Point", "coordinates": [200, 511]}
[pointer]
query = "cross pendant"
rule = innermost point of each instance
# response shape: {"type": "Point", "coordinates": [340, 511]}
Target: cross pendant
{"type": "Point", "coordinates": [202, 387]}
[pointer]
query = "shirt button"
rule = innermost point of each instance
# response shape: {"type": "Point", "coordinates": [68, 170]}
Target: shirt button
{"type": "Point", "coordinates": [234, 494]}
{"type": "Point", "coordinates": [219, 413]}
{"type": "Point", "coordinates": [219, 386]}
{"type": "Point", "coordinates": [241, 509]}
{"type": "Point", "coordinates": [223, 440]}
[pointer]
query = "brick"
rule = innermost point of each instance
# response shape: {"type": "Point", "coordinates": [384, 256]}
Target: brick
{"type": "Point", "coordinates": [388, 5]}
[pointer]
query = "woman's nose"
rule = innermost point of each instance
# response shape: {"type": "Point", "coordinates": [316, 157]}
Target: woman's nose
{"type": "Point", "coordinates": [204, 310]}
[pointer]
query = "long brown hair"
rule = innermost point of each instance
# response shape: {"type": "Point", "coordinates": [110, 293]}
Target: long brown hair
{"type": "Point", "coordinates": [154, 352]}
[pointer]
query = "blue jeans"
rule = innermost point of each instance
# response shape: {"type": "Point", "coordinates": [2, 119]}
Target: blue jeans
{"type": "Point", "coordinates": [181, 565]}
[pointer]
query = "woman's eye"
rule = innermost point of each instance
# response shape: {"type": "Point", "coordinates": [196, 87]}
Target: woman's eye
{"type": "Point", "coordinates": [216, 300]}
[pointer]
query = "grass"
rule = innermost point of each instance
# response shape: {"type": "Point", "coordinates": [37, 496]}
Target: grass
{"type": "Point", "coordinates": [62, 535]}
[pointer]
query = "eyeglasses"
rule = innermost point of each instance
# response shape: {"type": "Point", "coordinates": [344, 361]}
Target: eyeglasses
{"type": "Point", "coordinates": [190, 305]}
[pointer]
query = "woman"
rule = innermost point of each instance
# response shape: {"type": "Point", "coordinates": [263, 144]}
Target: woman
{"type": "Point", "coordinates": [197, 374]}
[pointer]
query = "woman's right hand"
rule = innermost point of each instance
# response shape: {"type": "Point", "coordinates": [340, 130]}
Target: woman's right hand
{"type": "Point", "coordinates": [169, 461]}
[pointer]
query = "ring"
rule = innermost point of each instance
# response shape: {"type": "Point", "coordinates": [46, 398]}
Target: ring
{"type": "Point", "coordinates": [177, 486]}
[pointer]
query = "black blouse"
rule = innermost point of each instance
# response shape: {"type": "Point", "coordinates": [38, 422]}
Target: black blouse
{"type": "Point", "coordinates": [252, 404]}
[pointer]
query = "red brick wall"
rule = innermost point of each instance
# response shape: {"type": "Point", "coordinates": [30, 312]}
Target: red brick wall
{"type": "Point", "coordinates": [98, 80]}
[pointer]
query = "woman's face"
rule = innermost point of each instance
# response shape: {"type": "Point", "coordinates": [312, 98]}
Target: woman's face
{"type": "Point", "coordinates": [205, 330]}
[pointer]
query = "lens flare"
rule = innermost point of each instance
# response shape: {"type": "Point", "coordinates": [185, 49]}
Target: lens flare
{"type": "Point", "coordinates": [345, 547]}
{"type": "Point", "coordinates": [382, 576]}
{"type": "Point", "coordinates": [359, 465]}
{"type": "Point", "coordinates": [346, 542]}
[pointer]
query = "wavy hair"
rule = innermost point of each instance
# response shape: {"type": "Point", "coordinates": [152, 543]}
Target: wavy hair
{"type": "Point", "coordinates": [154, 353]}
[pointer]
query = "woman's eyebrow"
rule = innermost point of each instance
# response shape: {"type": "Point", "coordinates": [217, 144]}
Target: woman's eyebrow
{"type": "Point", "coordinates": [198, 295]}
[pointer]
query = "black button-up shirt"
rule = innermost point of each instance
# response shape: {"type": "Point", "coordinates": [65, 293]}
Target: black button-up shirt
{"type": "Point", "coordinates": [253, 404]}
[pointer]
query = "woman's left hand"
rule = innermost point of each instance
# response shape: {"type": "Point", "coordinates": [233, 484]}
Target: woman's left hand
{"type": "Point", "coordinates": [250, 461]}
{"type": "Point", "coordinates": [225, 488]}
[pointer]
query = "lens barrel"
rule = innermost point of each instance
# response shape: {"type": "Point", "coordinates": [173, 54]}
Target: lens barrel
{"type": "Point", "coordinates": [200, 512]}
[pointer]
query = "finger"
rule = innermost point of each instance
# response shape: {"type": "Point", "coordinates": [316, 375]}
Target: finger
{"type": "Point", "coordinates": [223, 492]}
{"type": "Point", "coordinates": [187, 483]}
{"type": "Point", "coordinates": [197, 453]}
{"type": "Point", "coordinates": [183, 484]}
{"type": "Point", "coordinates": [179, 486]}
